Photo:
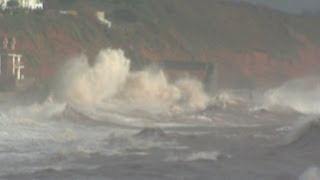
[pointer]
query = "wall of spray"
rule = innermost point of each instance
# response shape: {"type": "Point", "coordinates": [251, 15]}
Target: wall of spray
{"type": "Point", "coordinates": [109, 82]}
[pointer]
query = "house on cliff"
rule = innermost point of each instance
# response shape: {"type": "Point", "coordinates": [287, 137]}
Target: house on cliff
{"type": "Point", "coordinates": [3, 4]}
{"type": "Point", "coordinates": [31, 4]}
{"type": "Point", "coordinates": [26, 4]}
{"type": "Point", "coordinates": [12, 66]}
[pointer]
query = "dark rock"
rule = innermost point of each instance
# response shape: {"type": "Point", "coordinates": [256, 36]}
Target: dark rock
{"type": "Point", "coordinates": [149, 132]}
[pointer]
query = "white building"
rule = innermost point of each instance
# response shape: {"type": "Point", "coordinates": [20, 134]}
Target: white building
{"type": "Point", "coordinates": [102, 19]}
{"type": "Point", "coordinates": [27, 4]}
{"type": "Point", "coordinates": [31, 4]}
{"type": "Point", "coordinates": [3, 4]}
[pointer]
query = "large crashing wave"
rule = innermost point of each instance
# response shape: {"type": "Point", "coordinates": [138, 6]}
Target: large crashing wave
{"type": "Point", "coordinates": [301, 96]}
{"type": "Point", "coordinates": [109, 81]}
{"type": "Point", "coordinates": [87, 84]}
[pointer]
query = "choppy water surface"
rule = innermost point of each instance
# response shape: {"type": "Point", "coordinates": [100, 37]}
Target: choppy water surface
{"type": "Point", "coordinates": [143, 127]}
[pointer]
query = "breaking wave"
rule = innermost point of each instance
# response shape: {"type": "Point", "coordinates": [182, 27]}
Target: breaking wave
{"type": "Point", "coordinates": [85, 84]}
{"type": "Point", "coordinates": [109, 83]}
{"type": "Point", "coordinates": [227, 98]}
{"type": "Point", "coordinates": [312, 173]}
{"type": "Point", "coordinates": [209, 156]}
{"type": "Point", "coordinates": [305, 132]}
{"type": "Point", "coordinates": [302, 96]}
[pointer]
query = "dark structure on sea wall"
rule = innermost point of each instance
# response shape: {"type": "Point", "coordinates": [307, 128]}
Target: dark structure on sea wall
{"type": "Point", "coordinates": [202, 71]}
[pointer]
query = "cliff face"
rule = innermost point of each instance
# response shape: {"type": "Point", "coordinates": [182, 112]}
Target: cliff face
{"type": "Point", "coordinates": [252, 46]}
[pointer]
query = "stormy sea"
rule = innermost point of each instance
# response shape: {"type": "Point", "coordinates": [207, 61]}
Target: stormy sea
{"type": "Point", "coordinates": [103, 121]}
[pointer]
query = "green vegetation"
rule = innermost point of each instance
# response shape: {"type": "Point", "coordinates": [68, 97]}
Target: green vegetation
{"type": "Point", "coordinates": [41, 34]}
{"type": "Point", "coordinates": [186, 28]}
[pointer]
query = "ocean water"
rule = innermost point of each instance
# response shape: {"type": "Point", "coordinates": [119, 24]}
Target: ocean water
{"type": "Point", "coordinates": [105, 122]}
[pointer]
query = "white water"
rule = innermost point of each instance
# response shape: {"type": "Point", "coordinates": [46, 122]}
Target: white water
{"type": "Point", "coordinates": [198, 156]}
{"type": "Point", "coordinates": [312, 173]}
{"type": "Point", "coordinates": [301, 95]}
{"type": "Point", "coordinates": [226, 141]}
{"type": "Point", "coordinates": [84, 84]}
{"type": "Point", "coordinates": [303, 127]}
{"type": "Point", "coordinates": [108, 82]}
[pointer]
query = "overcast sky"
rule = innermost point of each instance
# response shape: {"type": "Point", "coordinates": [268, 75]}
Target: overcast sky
{"type": "Point", "coordinates": [294, 6]}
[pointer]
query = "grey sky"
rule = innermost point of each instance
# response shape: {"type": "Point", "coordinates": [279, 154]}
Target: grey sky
{"type": "Point", "coordinates": [294, 6]}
